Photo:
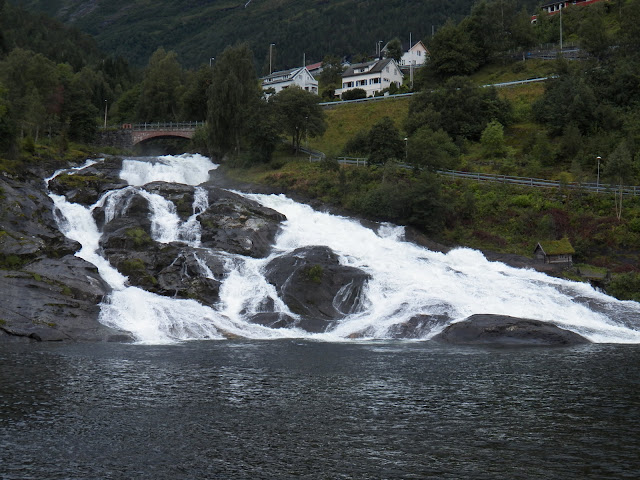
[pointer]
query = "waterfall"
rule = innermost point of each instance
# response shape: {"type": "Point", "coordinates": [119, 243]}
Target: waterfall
{"type": "Point", "coordinates": [406, 279]}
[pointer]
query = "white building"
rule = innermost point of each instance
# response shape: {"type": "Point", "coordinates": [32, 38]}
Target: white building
{"type": "Point", "coordinates": [417, 56]}
{"type": "Point", "coordinates": [296, 76]}
{"type": "Point", "coordinates": [372, 76]}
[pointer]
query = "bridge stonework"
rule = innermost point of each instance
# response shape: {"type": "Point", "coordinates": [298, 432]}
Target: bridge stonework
{"type": "Point", "coordinates": [138, 136]}
{"type": "Point", "coordinates": [130, 135]}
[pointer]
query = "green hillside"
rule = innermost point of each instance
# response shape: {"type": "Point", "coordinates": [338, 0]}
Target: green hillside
{"type": "Point", "coordinates": [199, 30]}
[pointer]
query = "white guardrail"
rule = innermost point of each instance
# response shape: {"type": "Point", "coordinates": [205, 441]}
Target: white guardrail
{"type": "Point", "coordinates": [632, 190]}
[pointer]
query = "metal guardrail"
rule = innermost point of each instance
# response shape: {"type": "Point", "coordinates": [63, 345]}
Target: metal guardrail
{"type": "Point", "coordinates": [404, 95]}
{"type": "Point", "coordinates": [632, 190]}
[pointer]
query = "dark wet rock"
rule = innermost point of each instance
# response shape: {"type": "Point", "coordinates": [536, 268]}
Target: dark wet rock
{"type": "Point", "coordinates": [274, 320]}
{"type": "Point", "coordinates": [502, 330]}
{"type": "Point", "coordinates": [28, 227]}
{"type": "Point", "coordinates": [86, 186]}
{"type": "Point", "coordinates": [182, 196]}
{"type": "Point", "coordinates": [54, 300]}
{"type": "Point", "coordinates": [239, 225]}
{"type": "Point", "coordinates": [417, 326]}
{"type": "Point", "coordinates": [314, 285]}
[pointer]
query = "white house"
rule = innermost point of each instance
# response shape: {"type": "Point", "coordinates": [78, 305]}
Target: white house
{"type": "Point", "coordinates": [372, 76]}
{"type": "Point", "coordinates": [296, 76]}
{"type": "Point", "coordinates": [417, 56]}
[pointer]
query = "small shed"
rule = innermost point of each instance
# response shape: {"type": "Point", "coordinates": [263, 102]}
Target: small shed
{"type": "Point", "coordinates": [555, 251]}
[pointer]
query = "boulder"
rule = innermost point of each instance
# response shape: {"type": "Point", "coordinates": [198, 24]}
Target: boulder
{"type": "Point", "coordinates": [502, 330]}
{"type": "Point", "coordinates": [53, 300]}
{"type": "Point", "coordinates": [313, 284]}
{"type": "Point", "coordinates": [86, 186]}
{"type": "Point", "coordinates": [235, 224]}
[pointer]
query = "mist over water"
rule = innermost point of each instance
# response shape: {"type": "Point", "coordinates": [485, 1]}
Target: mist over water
{"type": "Point", "coordinates": [406, 280]}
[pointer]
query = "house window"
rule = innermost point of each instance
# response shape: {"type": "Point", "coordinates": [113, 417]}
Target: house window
{"type": "Point", "coordinates": [374, 80]}
{"type": "Point", "coordinates": [418, 53]}
{"type": "Point", "coordinates": [387, 69]}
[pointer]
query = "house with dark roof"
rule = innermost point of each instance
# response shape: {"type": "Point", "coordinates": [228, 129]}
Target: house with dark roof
{"type": "Point", "coordinates": [372, 76]}
{"type": "Point", "coordinates": [555, 251]}
{"type": "Point", "coordinates": [299, 76]}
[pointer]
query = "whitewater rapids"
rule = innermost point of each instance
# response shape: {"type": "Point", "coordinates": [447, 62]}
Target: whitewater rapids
{"type": "Point", "coordinates": [406, 280]}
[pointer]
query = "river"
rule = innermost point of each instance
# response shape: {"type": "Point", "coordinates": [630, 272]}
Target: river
{"type": "Point", "coordinates": [318, 410]}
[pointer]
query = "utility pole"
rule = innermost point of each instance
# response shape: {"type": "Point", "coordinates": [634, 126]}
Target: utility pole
{"type": "Point", "coordinates": [105, 114]}
{"type": "Point", "coordinates": [271, 45]}
{"type": "Point", "coordinates": [561, 27]}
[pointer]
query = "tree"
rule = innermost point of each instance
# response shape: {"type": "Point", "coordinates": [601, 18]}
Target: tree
{"type": "Point", "coordinates": [492, 140]}
{"type": "Point", "coordinates": [330, 78]}
{"type": "Point", "coordinates": [394, 49]}
{"type": "Point", "coordinates": [619, 169]}
{"type": "Point", "coordinates": [452, 50]}
{"type": "Point", "coordinates": [385, 142]}
{"type": "Point", "coordinates": [233, 93]}
{"type": "Point", "coordinates": [460, 108]}
{"type": "Point", "coordinates": [431, 149]}
{"type": "Point", "coordinates": [299, 114]}
{"type": "Point", "coordinates": [160, 93]}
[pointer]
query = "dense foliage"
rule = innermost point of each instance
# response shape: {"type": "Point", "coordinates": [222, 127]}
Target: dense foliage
{"type": "Point", "coordinates": [200, 30]}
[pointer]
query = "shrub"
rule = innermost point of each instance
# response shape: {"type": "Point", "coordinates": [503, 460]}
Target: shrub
{"type": "Point", "coordinates": [354, 94]}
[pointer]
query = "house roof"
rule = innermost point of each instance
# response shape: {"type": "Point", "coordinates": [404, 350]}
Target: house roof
{"type": "Point", "coordinates": [282, 75]}
{"type": "Point", "coordinates": [314, 66]}
{"type": "Point", "coordinates": [376, 67]}
{"type": "Point", "coordinates": [556, 247]}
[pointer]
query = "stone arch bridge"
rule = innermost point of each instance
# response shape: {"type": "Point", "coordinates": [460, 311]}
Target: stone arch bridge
{"type": "Point", "coordinates": [130, 134]}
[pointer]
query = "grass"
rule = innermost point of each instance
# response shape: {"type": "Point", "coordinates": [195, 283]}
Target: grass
{"type": "Point", "coordinates": [345, 120]}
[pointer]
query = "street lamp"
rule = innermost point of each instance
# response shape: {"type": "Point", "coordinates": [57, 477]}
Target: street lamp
{"type": "Point", "coordinates": [105, 114]}
{"type": "Point", "coordinates": [211, 60]}
{"type": "Point", "coordinates": [379, 49]}
{"type": "Point", "coordinates": [406, 148]}
{"type": "Point", "coordinates": [598, 158]}
{"type": "Point", "coordinates": [271, 45]}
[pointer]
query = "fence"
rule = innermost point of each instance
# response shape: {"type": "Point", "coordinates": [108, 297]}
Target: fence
{"type": "Point", "coordinates": [163, 125]}
{"type": "Point", "coordinates": [632, 190]}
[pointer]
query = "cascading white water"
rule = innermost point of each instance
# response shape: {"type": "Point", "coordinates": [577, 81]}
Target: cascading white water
{"type": "Point", "coordinates": [406, 280]}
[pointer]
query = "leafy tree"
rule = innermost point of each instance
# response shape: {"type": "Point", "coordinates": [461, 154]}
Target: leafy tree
{"type": "Point", "coordinates": [459, 108]}
{"type": "Point", "coordinates": [492, 140]}
{"type": "Point", "coordinates": [7, 126]}
{"type": "Point", "coordinates": [453, 51]}
{"type": "Point", "coordinates": [431, 149]}
{"type": "Point", "coordinates": [385, 142]}
{"type": "Point", "coordinates": [233, 93]}
{"type": "Point", "coordinates": [619, 169]}
{"type": "Point", "coordinates": [299, 114]}
{"type": "Point", "coordinates": [593, 35]}
{"type": "Point", "coordinates": [160, 92]}
{"type": "Point", "coordinates": [193, 104]}
{"type": "Point", "coordinates": [330, 78]}
{"type": "Point", "coordinates": [394, 49]}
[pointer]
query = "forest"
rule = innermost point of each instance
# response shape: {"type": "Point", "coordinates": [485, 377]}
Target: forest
{"type": "Point", "coordinates": [197, 31]}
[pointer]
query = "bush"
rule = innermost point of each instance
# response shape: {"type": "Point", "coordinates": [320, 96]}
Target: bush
{"type": "Point", "coordinates": [354, 94]}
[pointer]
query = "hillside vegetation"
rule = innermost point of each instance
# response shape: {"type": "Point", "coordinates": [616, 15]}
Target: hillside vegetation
{"type": "Point", "coordinates": [197, 30]}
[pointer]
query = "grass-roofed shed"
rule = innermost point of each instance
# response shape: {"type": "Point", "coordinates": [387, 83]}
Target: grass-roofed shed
{"type": "Point", "coordinates": [555, 251]}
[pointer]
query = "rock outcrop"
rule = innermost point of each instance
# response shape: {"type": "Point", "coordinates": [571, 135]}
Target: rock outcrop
{"type": "Point", "coordinates": [502, 330]}
{"type": "Point", "coordinates": [316, 287]}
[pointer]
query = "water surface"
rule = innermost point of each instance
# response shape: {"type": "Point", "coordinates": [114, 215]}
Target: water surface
{"type": "Point", "coordinates": [304, 409]}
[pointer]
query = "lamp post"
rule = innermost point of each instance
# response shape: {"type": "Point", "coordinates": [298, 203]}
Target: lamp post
{"type": "Point", "coordinates": [379, 49]}
{"type": "Point", "coordinates": [105, 114]}
{"type": "Point", "coordinates": [270, 46]}
{"type": "Point", "coordinates": [598, 158]}
{"type": "Point", "coordinates": [211, 61]}
{"type": "Point", "coordinates": [406, 148]}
